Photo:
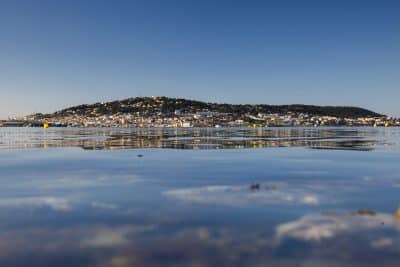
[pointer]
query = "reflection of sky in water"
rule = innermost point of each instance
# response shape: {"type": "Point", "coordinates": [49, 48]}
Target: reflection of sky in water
{"type": "Point", "coordinates": [70, 207]}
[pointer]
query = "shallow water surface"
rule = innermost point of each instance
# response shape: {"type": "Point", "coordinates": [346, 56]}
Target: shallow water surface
{"type": "Point", "coordinates": [151, 204]}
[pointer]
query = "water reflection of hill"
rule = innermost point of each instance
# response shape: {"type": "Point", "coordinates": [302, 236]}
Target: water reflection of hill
{"type": "Point", "coordinates": [194, 138]}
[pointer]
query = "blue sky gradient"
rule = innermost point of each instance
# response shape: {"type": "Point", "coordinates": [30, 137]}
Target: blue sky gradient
{"type": "Point", "coordinates": [54, 54]}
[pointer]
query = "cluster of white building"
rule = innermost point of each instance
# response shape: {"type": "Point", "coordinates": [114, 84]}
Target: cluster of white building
{"type": "Point", "coordinates": [198, 119]}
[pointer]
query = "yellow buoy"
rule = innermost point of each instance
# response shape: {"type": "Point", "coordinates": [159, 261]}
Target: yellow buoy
{"type": "Point", "coordinates": [397, 213]}
{"type": "Point", "coordinates": [375, 125]}
{"type": "Point", "coordinates": [386, 124]}
{"type": "Point", "coordinates": [45, 125]}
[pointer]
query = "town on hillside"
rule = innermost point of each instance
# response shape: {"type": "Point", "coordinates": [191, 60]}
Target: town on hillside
{"type": "Point", "coordinates": [170, 112]}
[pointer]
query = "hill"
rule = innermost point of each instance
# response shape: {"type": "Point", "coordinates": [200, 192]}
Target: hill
{"type": "Point", "coordinates": [164, 106]}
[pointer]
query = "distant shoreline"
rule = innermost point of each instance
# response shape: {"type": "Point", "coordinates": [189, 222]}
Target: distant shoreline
{"type": "Point", "coordinates": [164, 112]}
{"type": "Point", "coordinates": [195, 127]}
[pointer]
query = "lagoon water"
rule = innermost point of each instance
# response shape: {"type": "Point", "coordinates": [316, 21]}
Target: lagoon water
{"type": "Point", "coordinates": [327, 197]}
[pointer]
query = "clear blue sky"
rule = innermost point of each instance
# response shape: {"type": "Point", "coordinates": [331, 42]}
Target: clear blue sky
{"type": "Point", "coordinates": [54, 54]}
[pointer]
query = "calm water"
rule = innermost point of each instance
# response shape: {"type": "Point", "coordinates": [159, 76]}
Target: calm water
{"type": "Point", "coordinates": [118, 197]}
